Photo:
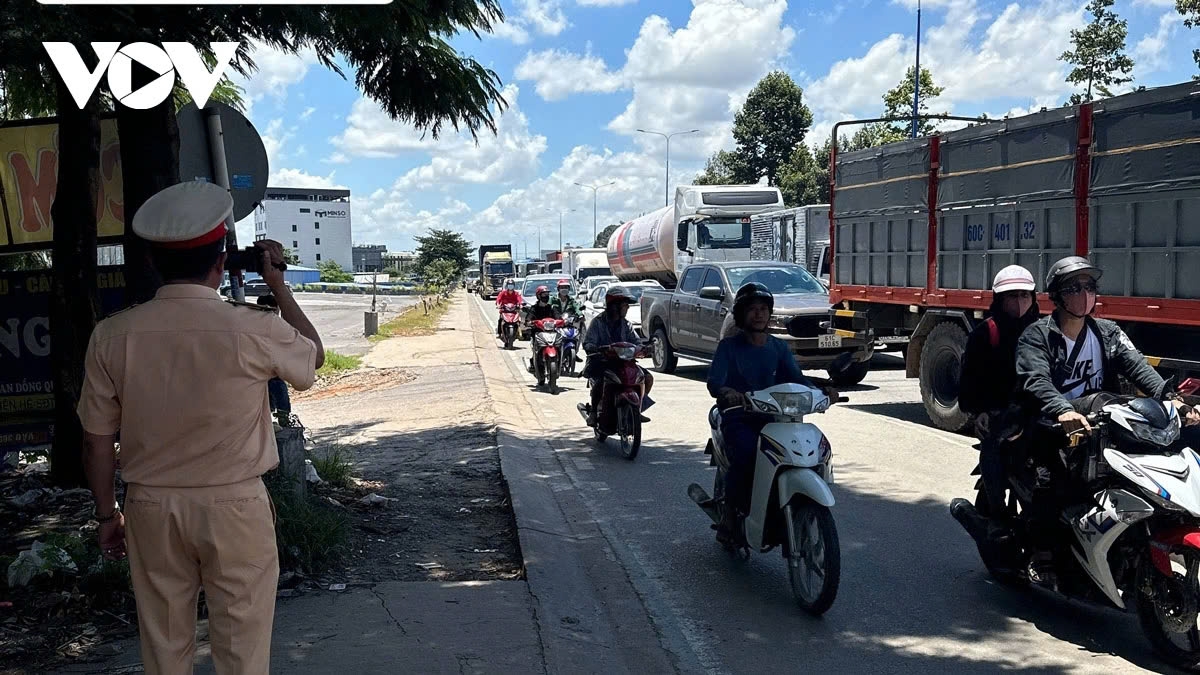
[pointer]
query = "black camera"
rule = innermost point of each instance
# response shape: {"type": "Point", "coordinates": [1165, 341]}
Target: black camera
{"type": "Point", "coordinates": [249, 259]}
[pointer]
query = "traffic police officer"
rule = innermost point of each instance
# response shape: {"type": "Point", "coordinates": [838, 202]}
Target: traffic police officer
{"type": "Point", "coordinates": [183, 378]}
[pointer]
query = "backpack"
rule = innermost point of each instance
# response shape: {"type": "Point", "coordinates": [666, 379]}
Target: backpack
{"type": "Point", "coordinates": [993, 333]}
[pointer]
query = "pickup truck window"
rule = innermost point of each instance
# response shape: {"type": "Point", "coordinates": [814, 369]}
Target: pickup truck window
{"type": "Point", "coordinates": [691, 279]}
{"type": "Point", "coordinates": [713, 278]}
{"type": "Point", "coordinates": [782, 279]}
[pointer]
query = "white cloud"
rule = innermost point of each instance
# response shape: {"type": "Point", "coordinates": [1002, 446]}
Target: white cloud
{"type": "Point", "coordinates": [690, 77]}
{"type": "Point", "coordinates": [509, 156]}
{"type": "Point", "coordinates": [1148, 53]}
{"type": "Point", "coordinates": [307, 113]}
{"type": "Point", "coordinates": [298, 178]}
{"type": "Point", "coordinates": [277, 71]}
{"type": "Point", "coordinates": [1154, 3]}
{"type": "Point", "coordinates": [337, 158]}
{"type": "Point", "coordinates": [1016, 54]}
{"type": "Point", "coordinates": [604, 3]}
{"type": "Point", "coordinates": [542, 16]}
{"type": "Point", "coordinates": [559, 74]}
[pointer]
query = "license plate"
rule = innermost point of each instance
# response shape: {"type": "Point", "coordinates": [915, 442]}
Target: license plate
{"type": "Point", "coordinates": [829, 341]}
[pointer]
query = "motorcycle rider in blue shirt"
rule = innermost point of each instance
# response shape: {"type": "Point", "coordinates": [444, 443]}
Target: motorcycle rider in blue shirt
{"type": "Point", "coordinates": [749, 361]}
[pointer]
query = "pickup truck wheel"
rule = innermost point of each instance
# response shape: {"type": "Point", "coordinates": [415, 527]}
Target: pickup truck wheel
{"type": "Point", "coordinates": [941, 365]}
{"type": "Point", "coordinates": [851, 376]}
{"type": "Point", "coordinates": [664, 356]}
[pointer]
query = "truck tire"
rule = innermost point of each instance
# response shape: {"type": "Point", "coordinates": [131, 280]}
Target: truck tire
{"type": "Point", "coordinates": [941, 365]}
{"type": "Point", "coordinates": [852, 375]}
{"type": "Point", "coordinates": [664, 356]}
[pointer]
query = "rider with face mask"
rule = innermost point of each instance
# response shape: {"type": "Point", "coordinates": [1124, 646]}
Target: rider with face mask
{"type": "Point", "coordinates": [988, 384]}
{"type": "Point", "coordinates": [508, 296]}
{"type": "Point", "coordinates": [748, 361]}
{"type": "Point", "coordinates": [542, 309]}
{"type": "Point", "coordinates": [1070, 353]}
{"type": "Point", "coordinates": [563, 302]}
{"type": "Point", "coordinates": [604, 331]}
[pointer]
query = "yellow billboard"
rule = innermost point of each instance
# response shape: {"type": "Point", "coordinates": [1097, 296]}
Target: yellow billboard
{"type": "Point", "coordinates": [29, 179]}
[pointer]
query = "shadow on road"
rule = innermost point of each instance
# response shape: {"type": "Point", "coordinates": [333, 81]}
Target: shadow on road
{"type": "Point", "coordinates": [914, 596]}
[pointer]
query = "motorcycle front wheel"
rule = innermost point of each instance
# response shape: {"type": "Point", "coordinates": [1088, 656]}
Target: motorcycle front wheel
{"type": "Point", "coordinates": [813, 555]}
{"type": "Point", "coordinates": [629, 428]}
{"type": "Point", "coordinates": [509, 336]}
{"type": "Point", "coordinates": [552, 376]}
{"type": "Point", "coordinates": [1167, 610]}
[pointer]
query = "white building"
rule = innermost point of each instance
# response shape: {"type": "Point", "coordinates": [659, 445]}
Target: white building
{"type": "Point", "coordinates": [314, 223]}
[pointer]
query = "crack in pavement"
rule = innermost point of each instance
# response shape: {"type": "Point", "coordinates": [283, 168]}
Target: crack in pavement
{"type": "Point", "coordinates": [383, 603]}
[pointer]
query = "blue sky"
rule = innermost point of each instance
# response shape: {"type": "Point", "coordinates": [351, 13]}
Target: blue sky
{"type": "Point", "coordinates": [581, 76]}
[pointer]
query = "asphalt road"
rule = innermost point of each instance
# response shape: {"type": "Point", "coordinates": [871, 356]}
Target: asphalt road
{"type": "Point", "coordinates": [914, 596]}
{"type": "Point", "coordinates": [339, 318]}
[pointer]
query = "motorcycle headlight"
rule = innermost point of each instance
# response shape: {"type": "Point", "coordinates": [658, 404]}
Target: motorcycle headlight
{"type": "Point", "coordinates": [549, 336]}
{"type": "Point", "coordinates": [794, 403]}
{"type": "Point", "coordinates": [626, 353]}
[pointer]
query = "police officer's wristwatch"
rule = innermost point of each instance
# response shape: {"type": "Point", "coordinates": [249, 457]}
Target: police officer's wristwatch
{"type": "Point", "coordinates": [110, 517]}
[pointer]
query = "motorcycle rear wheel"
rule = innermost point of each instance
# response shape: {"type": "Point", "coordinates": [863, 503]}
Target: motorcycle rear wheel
{"type": "Point", "coordinates": [994, 567]}
{"type": "Point", "coordinates": [813, 555]}
{"type": "Point", "coordinates": [1162, 601]}
{"type": "Point", "coordinates": [629, 428]}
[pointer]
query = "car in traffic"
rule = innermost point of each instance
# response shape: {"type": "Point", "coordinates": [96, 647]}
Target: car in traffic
{"type": "Point", "coordinates": [550, 281]}
{"type": "Point", "coordinates": [690, 320]}
{"type": "Point", "coordinates": [593, 304]}
{"type": "Point", "coordinates": [589, 284]}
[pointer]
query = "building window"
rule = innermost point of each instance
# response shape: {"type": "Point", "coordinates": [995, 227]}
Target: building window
{"type": "Point", "coordinates": [295, 244]}
{"type": "Point", "coordinates": [318, 241]}
{"type": "Point", "coordinates": [293, 228]}
{"type": "Point", "coordinates": [316, 225]}
{"type": "Point", "coordinates": [318, 257]}
{"type": "Point", "coordinates": [305, 210]}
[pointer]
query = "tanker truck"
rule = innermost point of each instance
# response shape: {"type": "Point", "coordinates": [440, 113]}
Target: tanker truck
{"type": "Point", "coordinates": [706, 223]}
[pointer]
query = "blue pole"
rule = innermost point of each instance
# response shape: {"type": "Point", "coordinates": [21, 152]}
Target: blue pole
{"type": "Point", "coordinates": [917, 74]}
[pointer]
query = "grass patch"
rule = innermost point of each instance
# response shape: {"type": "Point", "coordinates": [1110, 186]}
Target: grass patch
{"type": "Point", "coordinates": [311, 536]}
{"type": "Point", "coordinates": [413, 322]}
{"type": "Point", "coordinates": [333, 465]}
{"type": "Point", "coordinates": [336, 363]}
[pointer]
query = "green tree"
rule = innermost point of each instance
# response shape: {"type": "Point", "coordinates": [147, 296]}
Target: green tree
{"type": "Point", "coordinates": [805, 179]}
{"type": "Point", "coordinates": [443, 245]}
{"type": "Point", "coordinates": [771, 123]}
{"type": "Point", "coordinates": [438, 274]}
{"type": "Point", "coordinates": [1190, 9]}
{"type": "Point", "coordinates": [725, 167]}
{"type": "Point", "coordinates": [1098, 53]}
{"type": "Point", "coordinates": [332, 273]}
{"type": "Point", "coordinates": [898, 103]}
{"type": "Point", "coordinates": [602, 238]}
{"type": "Point", "coordinates": [290, 257]}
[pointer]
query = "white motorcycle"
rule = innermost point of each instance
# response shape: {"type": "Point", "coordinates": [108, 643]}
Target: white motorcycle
{"type": "Point", "coordinates": [1133, 542]}
{"type": "Point", "coordinates": [790, 499]}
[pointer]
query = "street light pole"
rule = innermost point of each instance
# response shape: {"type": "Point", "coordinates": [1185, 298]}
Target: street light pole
{"type": "Point", "coordinates": [560, 224]}
{"type": "Point", "coordinates": [917, 75]}
{"type": "Point", "coordinates": [595, 189]}
{"type": "Point", "coordinates": [667, 187]}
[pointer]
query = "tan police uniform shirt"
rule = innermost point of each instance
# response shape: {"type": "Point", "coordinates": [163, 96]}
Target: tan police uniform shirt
{"type": "Point", "coordinates": [184, 379]}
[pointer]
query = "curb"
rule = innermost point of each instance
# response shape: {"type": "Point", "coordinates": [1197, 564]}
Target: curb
{"type": "Point", "coordinates": [589, 615]}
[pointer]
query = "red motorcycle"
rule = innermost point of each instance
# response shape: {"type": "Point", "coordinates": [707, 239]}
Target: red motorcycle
{"type": "Point", "coordinates": [620, 412]}
{"type": "Point", "coordinates": [546, 343]}
{"type": "Point", "coordinates": [510, 317]}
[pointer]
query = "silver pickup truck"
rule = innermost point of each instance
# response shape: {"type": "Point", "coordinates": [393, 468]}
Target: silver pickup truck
{"type": "Point", "coordinates": [690, 320]}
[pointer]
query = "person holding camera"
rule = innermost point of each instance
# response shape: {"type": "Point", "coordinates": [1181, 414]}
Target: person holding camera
{"type": "Point", "coordinates": [183, 378]}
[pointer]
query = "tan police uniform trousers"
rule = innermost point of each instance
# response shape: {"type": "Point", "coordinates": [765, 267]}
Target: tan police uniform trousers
{"type": "Point", "coordinates": [221, 538]}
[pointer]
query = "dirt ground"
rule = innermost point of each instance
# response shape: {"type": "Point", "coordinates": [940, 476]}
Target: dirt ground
{"type": "Point", "coordinates": [417, 424]}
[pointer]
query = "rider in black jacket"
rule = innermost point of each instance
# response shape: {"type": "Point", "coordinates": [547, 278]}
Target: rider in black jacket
{"type": "Point", "coordinates": [988, 384]}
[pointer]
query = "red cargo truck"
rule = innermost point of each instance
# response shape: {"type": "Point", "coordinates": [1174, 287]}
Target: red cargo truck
{"type": "Point", "coordinates": [920, 227]}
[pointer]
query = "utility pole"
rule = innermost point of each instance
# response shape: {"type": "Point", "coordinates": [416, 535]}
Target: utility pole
{"type": "Point", "coordinates": [595, 189]}
{"type": "Point", "coordinates": [560, 224]}
{"type": "Point", "coordinates": [667, 187]}
{"type": "Point", "coordinates": [917, 74]}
